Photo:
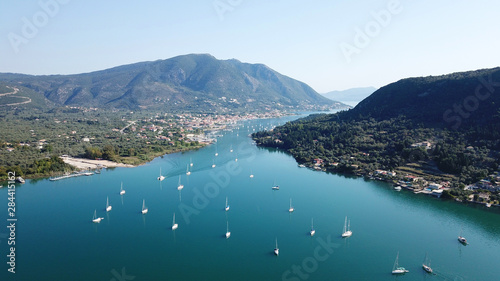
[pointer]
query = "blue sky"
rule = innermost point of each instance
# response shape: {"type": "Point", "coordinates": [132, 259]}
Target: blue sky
{"type": "Point", "coordinates": [330, 45]}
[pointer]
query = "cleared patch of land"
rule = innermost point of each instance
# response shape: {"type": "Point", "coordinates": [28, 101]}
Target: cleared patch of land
{"type": "Point", "coordinates": [86, 164]}
{"type": "Point", "coordinates": [425, 169]}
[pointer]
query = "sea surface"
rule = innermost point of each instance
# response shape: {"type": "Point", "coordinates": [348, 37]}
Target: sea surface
{"type": "Point", "coordinates": [56, 240]}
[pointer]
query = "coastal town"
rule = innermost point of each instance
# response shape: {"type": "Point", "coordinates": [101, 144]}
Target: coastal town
{"type": "Point", "coordinates": [191, 127]}
{"type": "Point", "coordinates": [485, 191]}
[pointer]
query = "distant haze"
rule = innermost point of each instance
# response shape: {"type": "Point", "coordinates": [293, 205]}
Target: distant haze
{"type": "Point", "coordinates": [350, 96]}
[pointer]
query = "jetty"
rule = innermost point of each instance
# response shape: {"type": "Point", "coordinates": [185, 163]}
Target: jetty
{"type": "Point", "coordinates": [71, 176]}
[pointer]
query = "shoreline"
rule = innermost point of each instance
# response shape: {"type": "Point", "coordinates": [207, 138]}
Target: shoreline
{"type": "Point", "coordinates": [393, 182]}
{"type": "Point", "coordinates": [89, 164]}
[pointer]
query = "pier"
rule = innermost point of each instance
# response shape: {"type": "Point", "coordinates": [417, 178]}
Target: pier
{"type": "Point", "coordinates": [71, 176]}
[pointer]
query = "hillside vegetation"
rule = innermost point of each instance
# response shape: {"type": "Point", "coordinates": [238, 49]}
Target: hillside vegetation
{"type": "Point", "coordinates": [194, 83]}
{"type": "Point", "coordinates": [406, 127]}
{"type": "Point", "coordinates": [32, 141]}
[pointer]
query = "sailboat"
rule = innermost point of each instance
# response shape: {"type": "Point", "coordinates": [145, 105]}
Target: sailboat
{"type": "Point", "coordinates": [213, 164]}
{"type": "Point", "coordinates": [347, 232]}
{"type": "Point", "coordinates": [231, 148]}
{"type": "Point", "coordinates": [187, 171]}
{"type": "Point", "coordinates": [190, 162]}
{"type": "Point", "coordinates": [216, 153]}
{"type": "Point", "coordinates": [160, 178]}
{"type": "Point", "coordinates": [236, 159]}
{"type": "Point", "coordinates": [228, 234]}
{"type": "Point", "coordinates": [396, 269]}
{"type": "Point", "coordinates": [108, 207]}
{"type": "Point", "coordinates": [275, 187]}
{"type": "Point", "coordinates": [95, 219]}
{"type": "Point", "coordinates": [426, 265]}
{"type": "Point", "coordinates": [227, 206]}
{"type": "Point", "coordinates": [180, 185]}
{"type": "Point", "coordinates": [121, 189]}
{"type": "Point", "coordinates": [291, 209]}
{"type": "Point", "coordinates": [174, 225]}
{"type": "Point", "coordinates": [251, 174]}
{"type": "Point", "coordinates": [312, 232]}
{"type": "Point", "coordinates": [276, 250]}
{"type": "Point", "coordinates": [144, 209]}
{"type": "Point", "coordinates": [462, 239]}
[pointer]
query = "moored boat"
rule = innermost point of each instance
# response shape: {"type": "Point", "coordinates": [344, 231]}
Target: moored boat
{"type": "Point", "coordinates": [396, 269]}
{"type": "Point", "coordinates": [347, 229]}
{"type": "Point", "coordinates": [426, 265]}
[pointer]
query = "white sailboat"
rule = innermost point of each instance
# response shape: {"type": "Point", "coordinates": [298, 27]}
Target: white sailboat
{"type": "Point", "coordinates": [312, 232]}
{"type": "Point", "coordinates": [276, 250]}
{"type": "Point", "coordinates": [108, 207]}
{"type": "Point", "coordinates": [275, 186]}
{"type": "Point", "coordinates": [190, 162]}
{"type": "Point", "coordinates": [347, 231]}
{"type": "Point", "coordinates": [227, 206]}
{"type": "Point", "coordinates": [228, 234]}
{"type": "Point", "coordinates": [291, 209]}
{"type": "Point", "coordinates": [95, 219]}
{"type": "Point", "coordinates": [462, 239]}
{"type": "Point", "coordinates": [174, 225]}
{"type": "Point", "coordinates": [396, 269]}
{"type": "Point", "coordinates": [236, 159]}
{"type": "Point", "coordinates": [251, 174]}
{"type": "Point", "coordinates": [213, 164]}
{"type": "Point", "coordinates": [144, 209]}
{"type": "Point", "coordinates": [231, 148]}
{"type": "Point", "coordinates": [160, 178]}
{"type": "Point", "coordinates": [426, 265]}
{"type": "Point", "coordinates": [187, 171]}
{"type": "Point", "coordinates": [122, 191]}
{"type": "Point", "coordinates": [180, 186]}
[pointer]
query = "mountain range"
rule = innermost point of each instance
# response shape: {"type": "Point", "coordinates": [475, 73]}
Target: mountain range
{"type": "Point", "coordinates": [194, 82]}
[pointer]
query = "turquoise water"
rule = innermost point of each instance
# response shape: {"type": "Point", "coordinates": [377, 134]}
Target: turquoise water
{"type": "Point", "coordinates": [56, 240]}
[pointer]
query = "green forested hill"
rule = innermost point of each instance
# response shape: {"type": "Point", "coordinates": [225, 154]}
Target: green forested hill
{"type": "Point", "coordinates": [196, 82]}
{"type": "Point", "coordinates": [454, 100]}
{"type": "Point", "coordinates": [444, 128]}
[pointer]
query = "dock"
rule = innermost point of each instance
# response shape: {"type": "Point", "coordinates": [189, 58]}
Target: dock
{"type": "Point", "coordinates": [71, 176]}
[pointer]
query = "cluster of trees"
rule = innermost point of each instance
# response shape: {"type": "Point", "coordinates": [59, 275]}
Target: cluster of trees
{"type": "Point", "coordinates": [368, 145]}
{"type": "Point", "coordinates": [124, 152]}
{"type": "Point", "coordinates": [41, 167]}
{"type": "Point", "coordinates": [108, 152]}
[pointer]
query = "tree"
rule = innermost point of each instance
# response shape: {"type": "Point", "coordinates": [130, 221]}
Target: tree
{"type": "Point", "coordinates": [108, 152]}
{"type": "Point", "coordinates": [47, 148]}
{"type": "Point", "coordinates": [93, 152]}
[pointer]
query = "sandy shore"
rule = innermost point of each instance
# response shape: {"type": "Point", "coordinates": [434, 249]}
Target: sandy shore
{"type": "Point", "coordinates": [85, 164]}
